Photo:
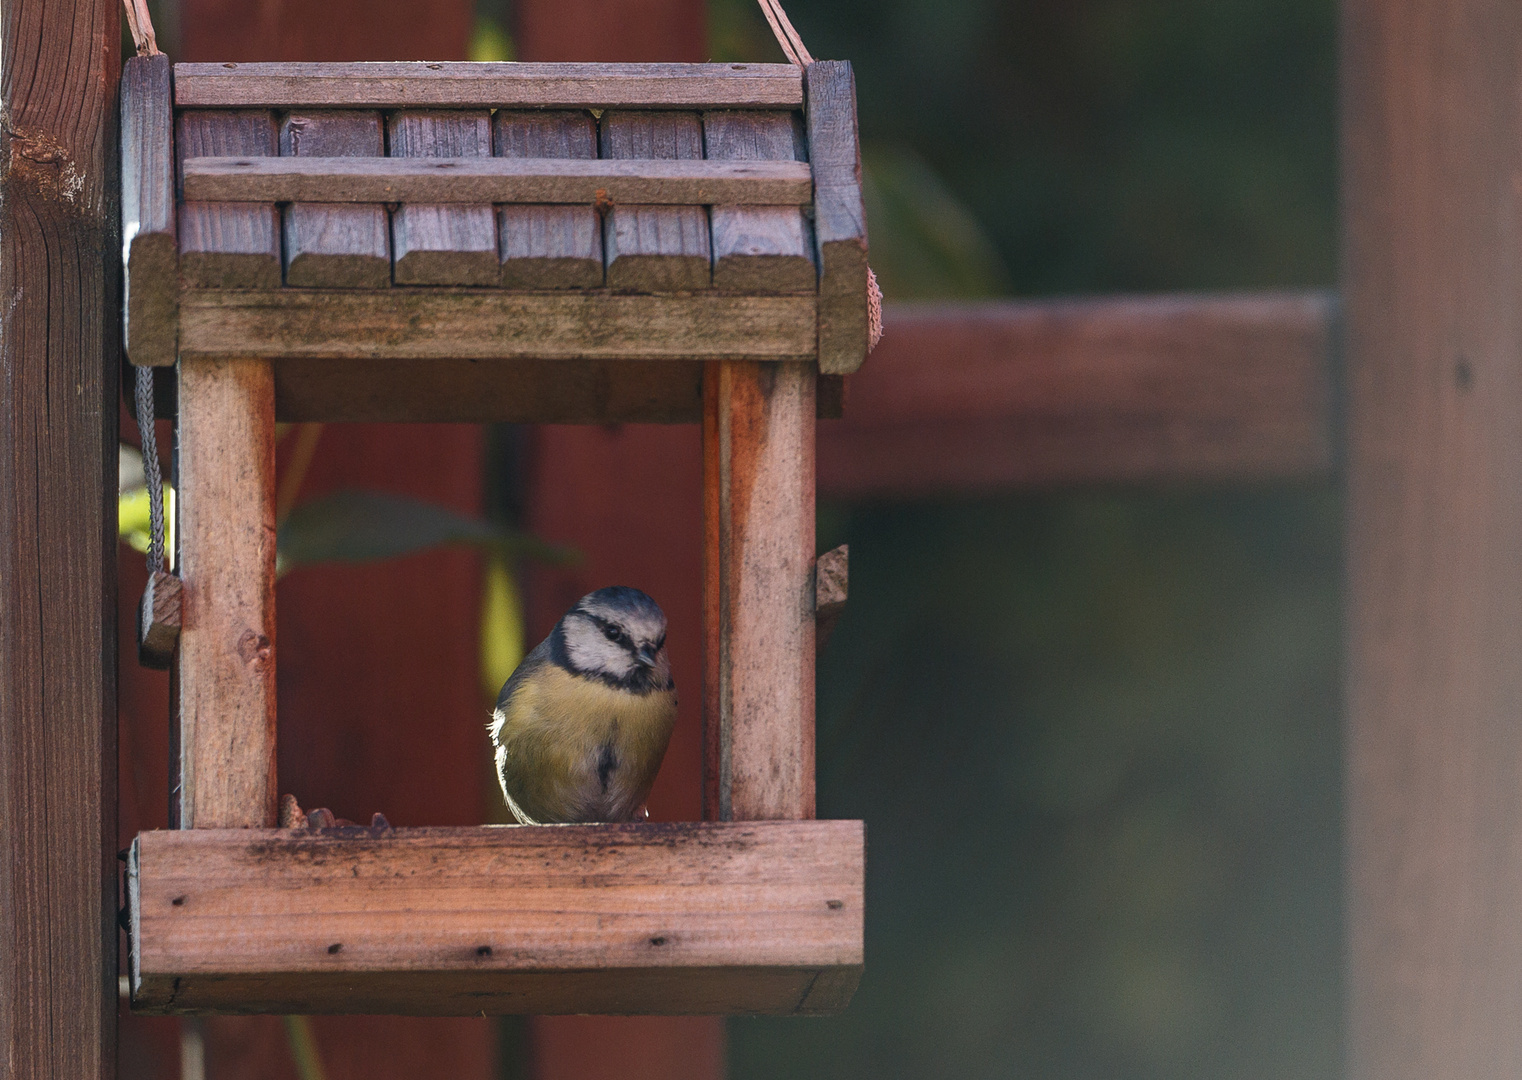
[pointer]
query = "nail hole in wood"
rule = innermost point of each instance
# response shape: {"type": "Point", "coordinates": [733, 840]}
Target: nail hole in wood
{"type": "Point", "coordinates": [834, 905]}
{"type": "Point", "coordinates": [178, 901]}
{"type": "Point", "coordinates": [483, 950]}
{"type": "Point", "coordinates": [333, 948]}
{"type": "Point", "coordinates": [657, 941]}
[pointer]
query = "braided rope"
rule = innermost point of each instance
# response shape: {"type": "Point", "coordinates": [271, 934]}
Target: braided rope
{"type": "Point", "coordinates": [151, 469]}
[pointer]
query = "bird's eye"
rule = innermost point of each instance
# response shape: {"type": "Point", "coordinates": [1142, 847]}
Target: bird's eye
{"type": "Point", "coordinates": [611, 633]}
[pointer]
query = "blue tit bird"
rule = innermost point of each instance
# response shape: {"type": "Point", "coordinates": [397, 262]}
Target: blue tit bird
{"type": "Point", "coordinates": [581, 726]}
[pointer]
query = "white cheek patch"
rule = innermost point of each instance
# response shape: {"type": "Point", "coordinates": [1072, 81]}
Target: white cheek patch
{"type": "Point", "coordinates": [589, 650]}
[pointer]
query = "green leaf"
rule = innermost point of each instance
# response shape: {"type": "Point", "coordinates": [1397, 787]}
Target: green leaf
{"type": "Point", "coordinates": [926, 244]}
{"type": "Point", "coordinates": [366, 526]}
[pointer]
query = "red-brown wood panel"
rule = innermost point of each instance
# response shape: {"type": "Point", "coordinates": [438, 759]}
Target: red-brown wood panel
{"type": "Point", "coordinates": [238, 30]}
{"type": "Point", "coordinates": [631, 498]}
{"type": "Point", "coordinates": [379, 700]}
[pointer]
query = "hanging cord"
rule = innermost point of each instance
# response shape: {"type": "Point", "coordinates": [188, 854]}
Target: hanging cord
{"type": "Point", "coordinates": [798, 53]}
{"type": "Point", "coordinates": [787, 37]}
{"type": "Point", "coordinates": [141, 25]}
{"type": "Point", "coordinates": [151, 469]}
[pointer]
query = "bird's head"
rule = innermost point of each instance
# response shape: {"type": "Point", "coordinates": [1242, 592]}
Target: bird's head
{"type": "Point", "coordinates": [617, 635]}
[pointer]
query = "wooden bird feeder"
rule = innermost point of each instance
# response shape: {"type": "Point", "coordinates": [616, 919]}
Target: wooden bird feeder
{"type": "Point", "coordinates": [497, 242]}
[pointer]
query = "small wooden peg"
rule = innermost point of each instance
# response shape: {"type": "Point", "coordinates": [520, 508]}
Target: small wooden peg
{"type": "Point", "coordinates": [829, 592]}
{"type": "Point", "coordinates": [158, 621]}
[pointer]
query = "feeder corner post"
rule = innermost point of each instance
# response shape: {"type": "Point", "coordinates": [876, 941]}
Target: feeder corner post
{"type": "Point", "coordinates": [1432, 275]}
{"type": "Point", "coordinates": [59, 361]}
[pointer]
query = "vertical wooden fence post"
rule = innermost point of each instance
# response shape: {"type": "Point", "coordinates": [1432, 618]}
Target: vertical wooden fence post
{"type": "Point", "coordinates": [758, 460]}
{"type": "Point", "coordinates": [1432, 155]}
{"type": "Point", "coordinates": [59, 350]}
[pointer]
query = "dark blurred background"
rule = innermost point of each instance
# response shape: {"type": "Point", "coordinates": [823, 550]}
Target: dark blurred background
{"type": "Point", "coordinates": [1094, 733]}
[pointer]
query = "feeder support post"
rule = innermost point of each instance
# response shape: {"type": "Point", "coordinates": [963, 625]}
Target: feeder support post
{"type": "Point", "coordinates": [226, 508]}
{"type": "Point", "coordinates": [758, 602]}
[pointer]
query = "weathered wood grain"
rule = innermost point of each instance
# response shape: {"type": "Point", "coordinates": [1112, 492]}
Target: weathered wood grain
{"type": "Point", "coordinates": [1432, 274]}
{"type": "Point", "coordinates": [504, 86]}
{"type": "Point", "coordinates": [831, 586]}
{"type": "Point", "coordinates": [59, 362]}
{"type": "Point", "coordinates": [548, 247]}
{"type": "Point", "coordinates": [690, 918]}
{"type": "Point", "coordinates": [327, 245]}
{"type": "Point", "coordinates": [840, 221]}
{"type": "Point", "coordinates": [151, 284]}
{"type": "Point", "coordinates": [228, 245]}
{"type": "Point", "coordinates": [226, 534]}
{"type": "Point", "coordinates": [437, 244]}
{"type": "Point", "coordinates": [159, 617]}
{"type": "Point", "coordinates": [493, 324]}
{"type": "Point", "coordinates": [758, 430]}
{"type": "Point", "coordinates": [999, 396]}
{"type": "Point", "coordinates": [499, 391]}
{"type": "Point", "coordinates": [543, 179]}
{"type": "Point", "coordinates": [655, 248]}
{"type": "Point", "coordinates": [760, 248]}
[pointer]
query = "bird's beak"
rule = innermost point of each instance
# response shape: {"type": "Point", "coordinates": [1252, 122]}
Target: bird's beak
{"type": "Point", "coordinates": [646, 656]}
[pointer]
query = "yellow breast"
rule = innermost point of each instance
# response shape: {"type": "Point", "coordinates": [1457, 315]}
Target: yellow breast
{"type": "Point", "coordinates": [575, 749]}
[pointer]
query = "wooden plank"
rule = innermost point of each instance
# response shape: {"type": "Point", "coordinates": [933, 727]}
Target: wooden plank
{"type": "Point", "coordinates": [840, 221]}
{"type": "Point", "coordinates": [548, 247]}
{"type": "Point", "coordinates": [503, 391]}
{"type": "Point", "coordinates": [226, 508]}
{"type": "Point", "coordinates": [59, 362]}
{"type": "Point", "coordinates": [492, 324]}
{"type": "Point", "coordinates": [498, 86]}
{"type": "Point", "coordinates": [151, 284]}
{"type": "Point", "coordinates": [1432, 230]}
{"type": "Point", "coordinates": [437, 244]}
{"type": "Point", "coordinates": [831, 587]}
{"type": "Point", "coordinates": [655, 248]}
{"type": "Point", "coordinates": [998, 396]}
{"type": "Point", "coordinates": [583, 478]}
{"type": "Point", "coordinates": [543, 179]}
{"type": "Point", "coordinates": [762, 248]}
{"type": "Point", "coordinates": [758, 430]}
{"type": "Point", "coordinates": [326, 245]}
{"type": "Point", "coordinates": [681, 918]}
{"type": "Point", "coordinates": [228, 245]}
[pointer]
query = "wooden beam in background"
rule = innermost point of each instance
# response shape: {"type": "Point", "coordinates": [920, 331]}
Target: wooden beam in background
{"type": "Point", "coordinates": [992, 396]}
{"type": "Point", "coordinates": [59, 342]}
{"type": "Point", "coordinates": [1432, 218]}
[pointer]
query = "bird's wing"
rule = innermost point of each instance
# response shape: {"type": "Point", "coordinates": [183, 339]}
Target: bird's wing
{"type": "Point", "coordinates": [537, 658]}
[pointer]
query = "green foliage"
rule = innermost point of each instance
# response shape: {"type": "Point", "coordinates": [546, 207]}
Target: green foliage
{"type": "Point", "coordinates": [925, 243]}
{"type": "Point", "coordinates": [364, 526]}
{"type": "Point", "coordinates": [1101, 144]}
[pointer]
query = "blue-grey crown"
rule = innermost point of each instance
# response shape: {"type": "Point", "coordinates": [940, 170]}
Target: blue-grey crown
{"type": "Point", "coordinates": [621, 598]}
